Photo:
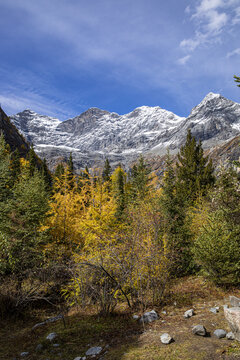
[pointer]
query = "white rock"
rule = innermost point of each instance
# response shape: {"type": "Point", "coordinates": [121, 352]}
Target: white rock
{"type": "Point", "coordinates": [135, 317]}
{"type": "Point", "coordinates": [214, 310]}
{"type": "Point", "coordinates": [166, 338]}
{"type": "Point", "coordinates": [96, 350]}
{"type": "Point", "coordinates": [189, 313]}
{"type": "Point", "coordinates": [199, 330]}
{"type": "Point", "coordinates": [220, 333]}
{"type": "Point", "coordinates": [51, 336]}
{"type": "Point", "coordinates": [232, 315]}
{"type": "Point", "coordinates": [24, 353]}
{"type": "Point", "coordinates": [230, 336]}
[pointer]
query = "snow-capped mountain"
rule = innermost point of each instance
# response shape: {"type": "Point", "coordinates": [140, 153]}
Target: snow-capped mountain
{"type": "Point", "coordinates": [96, 134]}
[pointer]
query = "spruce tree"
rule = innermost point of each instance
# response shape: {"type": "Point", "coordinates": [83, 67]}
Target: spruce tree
{"type": "Point", "coordinates": [237, 80]}
{"type": "Point", "coordinates": [118, 188]}
{"type": "Point", "coordinates": [106, 174]}
{"type": "Point", "coordinates": [46, 174]}
{"type": "Point", "coordinates": [32, 158]}
{"type": "Point", "coordinates": [194, 171]}
{"type": "Point", "coordinates": [139, 180]}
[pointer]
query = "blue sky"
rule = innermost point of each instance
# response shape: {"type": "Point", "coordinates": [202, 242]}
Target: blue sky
{"type": "Point", "coordinates": [60, 57]}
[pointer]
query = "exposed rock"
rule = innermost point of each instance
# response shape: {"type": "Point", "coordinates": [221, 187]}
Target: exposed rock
{"type": "Point", "coordinates": [214, 310]}
{"type": "Point", "coordinates": [234, 301]}
{"type": "Point", "coordinates": [166, 338]}
{"type": "Point", "coordinates": [96, 350]}
{"type": "Point", "coordinates": [189, 313]}
{"type": "Point", "coordinates": [199, 330]}
{"type": "Point", "coordinates": [78, 358]}
{"type": "Point", "coordinates": [50, 320]}
{"type": "Point", "coordinates": [220, 333]}
{"type": "Point", "coordinates": [232, 315]}
{"type": "Point", "coordinates": [230, 336]}
{"type": "Point", "coordinates": [24, 353]}
{"type": "Point", "coordinates": [135, 317]}
{"type": "Point", "coordinates": [51, 336]}
{"type": "Point", "coordinates": [149, 317]}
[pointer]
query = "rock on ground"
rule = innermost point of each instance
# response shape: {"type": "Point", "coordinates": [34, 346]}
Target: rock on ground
{"type": "Point", "coordinates": [232, 315]}
{"type": "Point", "coordinates": [166, 339]}
{"type": "Point", "coordinates": [230, 336]}
{"type": "Point", "coordinates": [149, 317]}
{"type": "Point", "coordinates": [96, 350]}
{"type": "Point", "coordinates": [199, 330]}
{"type": "Point", "coordinates": [234, 301]}
{"type": "Point", "coordinates": [189, 313]}
{"type": "Point", "coordinates": [220, 333]}
{"type": "Point", "coordinates": [214, 310]}
{"type": "Point", "coordinates": [51, 336]}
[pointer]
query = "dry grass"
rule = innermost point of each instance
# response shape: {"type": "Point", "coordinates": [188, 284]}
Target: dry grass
{"type": "Point", "coordinates": [127, 339]}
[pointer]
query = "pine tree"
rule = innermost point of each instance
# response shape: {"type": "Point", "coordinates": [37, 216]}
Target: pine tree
{"type": "Point", "coordinates": [237, 80]}
{"type": "Point", "coordinates": [70, 170]}
{"type": "Point", "coordinates": [32, 158]}
{"type": "Point", "coordinates": [194, 171]}
{"type": "Point", "coordinates": [118, 189]}
{"type": "Point", "coordinates": [46, 174]}
{"type": "Point", "coordinates": [106, 174]}
{"type": "Point", "coordinates": [139, 179]}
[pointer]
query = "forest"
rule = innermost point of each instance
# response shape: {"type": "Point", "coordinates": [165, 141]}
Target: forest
{"type": "Point", "coordinates": [109, 237]}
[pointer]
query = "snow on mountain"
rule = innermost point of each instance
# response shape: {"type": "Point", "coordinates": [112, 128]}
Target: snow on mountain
{"type": "Point", "coordinates": [97, 133]}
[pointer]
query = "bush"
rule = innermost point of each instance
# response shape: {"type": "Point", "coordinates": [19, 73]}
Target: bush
{"type": "Point", "coordinates": [217, 250]}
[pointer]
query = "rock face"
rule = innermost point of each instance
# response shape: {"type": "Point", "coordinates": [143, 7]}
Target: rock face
{"type": "Point", "coordinates": [12, 135]}
{"type": "Point", "coordinates": [232, 315]}
{"type": "Point", "coordinates": [97, 134]}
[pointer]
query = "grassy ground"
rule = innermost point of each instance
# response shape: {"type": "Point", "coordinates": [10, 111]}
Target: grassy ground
{"type": "Point", "coordinates": [122, 338]}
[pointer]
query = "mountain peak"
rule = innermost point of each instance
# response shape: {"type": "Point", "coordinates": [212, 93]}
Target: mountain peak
{"type": "Point", "coordinates": [211, 96]}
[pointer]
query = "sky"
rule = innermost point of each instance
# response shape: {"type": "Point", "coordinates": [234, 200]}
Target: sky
{"type": "Point", "coordinates": [61, 57]}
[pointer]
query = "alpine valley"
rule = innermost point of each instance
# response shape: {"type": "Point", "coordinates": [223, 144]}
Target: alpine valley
{"type": "Point", "coordinates": [97, 134]}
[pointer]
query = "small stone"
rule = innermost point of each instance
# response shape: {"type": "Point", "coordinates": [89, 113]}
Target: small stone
{"type": "Point", "coordinates": [230, 336]}
{"type": "Point", "coordinates": [166, 338]}
{"type": "Point", "coordinates": [164, 312]}
{"type": "Point", "coordinates": [149, 317]}
{"type": "Point", "coordinates": [78, 358]}
{"type": "Point", "coordinates": [220, 333]}
{"type": "Point", "coordinates": [84, 358]}
{"type": "Point", "coordinates": [56, 345]}
{"type": "Point", "coordinates": [234, 301]}
{"type": "Point", "coordinates": [51, 336]}
{"type": "Point", "coordinates": [24, 353]}
{"type": "Point", "coordinates": [189, 313]}
{"type": "Point", "coordinates": [135, 317]}
{"type": "Point", "coordinates": [94, 351]}
{"type": "Point", "coordinates": [39, 347]}
{"type": "Point", "coordinates": [214, 310]}
{"type": "Point", "coordinates": [199, 330]}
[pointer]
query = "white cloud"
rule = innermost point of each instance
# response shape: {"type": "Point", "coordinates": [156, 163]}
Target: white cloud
{"type": "Point", "coordinates": [236, 18]}
{"type": "Point", "coordinates": [234, 52]}
{"type": "Point", "coordinates": [184, 60]}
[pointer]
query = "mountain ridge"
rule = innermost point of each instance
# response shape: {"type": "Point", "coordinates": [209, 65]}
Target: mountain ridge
{"type": "Point", "coordinates": [96, 134]}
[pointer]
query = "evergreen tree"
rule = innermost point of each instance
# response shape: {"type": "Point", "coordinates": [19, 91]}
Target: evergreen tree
{"type": "Point", "coordinates": [32, 158]}
{"type": "Point", "coordinates": [15, 165]}
{"type": "Point", "coordinates": [59, 171]}
{"type": "Point", "coordinates": [194, 171]}
{"type": "Point", "coordinates": [106, 174]}
{"type": "Point", "coordinates": [46, 174]}
{"type": "Point", "coordinates": [176, 232]}
{"type": "Point", "coordinates": [118, 188]}
{"type": "Point", "coordinates": [139, 180]}
{"type": "Point", "coordinates": [70, 170]}
{"type": "Point", "coordinates": [237, 80]}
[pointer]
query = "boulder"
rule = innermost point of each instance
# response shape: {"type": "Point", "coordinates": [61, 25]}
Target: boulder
{"type": "Point", "coordinates": [149, 317]}
{"type": "Point", "coordinates": [188, 313]}
{"type": "Point", "coordinates": [232, 315]}
{"type": "Point", "coordinates": [230, 336]}
{"type": "Point", "coordinates": [220, 333]}
{"type": "Point", "coordinates": [166, 338]}
{"type": "Point", "coordinates": [234, 301]}
{"type": "Point", "coordinates": [96, 350]}
{"type": "Point", "coordinates": [199, 330]}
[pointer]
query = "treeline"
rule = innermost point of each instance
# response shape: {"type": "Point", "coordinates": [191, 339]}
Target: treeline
{"type": "Point", "coordinates": [107, 236]}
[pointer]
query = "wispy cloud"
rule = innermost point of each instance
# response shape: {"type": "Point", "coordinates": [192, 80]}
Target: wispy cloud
{"type": "Point", "coordinates": [184, 60]}
{"type": "Point", "coordinates": [234, 52]}
{"type": "Point", "coordinates": [210, 18]}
